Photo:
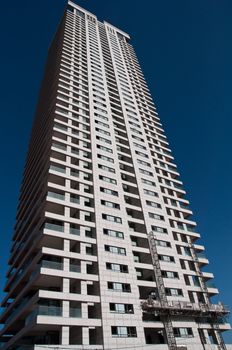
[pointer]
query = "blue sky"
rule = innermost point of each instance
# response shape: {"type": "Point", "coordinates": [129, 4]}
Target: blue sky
{"type": "Point", "coordinates": [185, 51]}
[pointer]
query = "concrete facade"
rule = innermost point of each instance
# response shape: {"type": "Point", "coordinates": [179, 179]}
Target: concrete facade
{"type": "Point", "coordinates": [99, 177]}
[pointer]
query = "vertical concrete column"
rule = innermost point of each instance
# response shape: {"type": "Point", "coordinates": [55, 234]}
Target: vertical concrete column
{"type": "Point", "coordinates": [206, 336]}
{"type": "Point", "coordinates": [67, 183]}
{"type": "Point", "coordinates": [66, 226]}
{"type": "Point", "coordinates": [67, 212]}
{"type": "Point", "coordinates": [66, 245]}
{"type": "Point", "coordinates": [66, 285]}
{"type": "Point", "coordinates": [217, 336]}
{"type": "Point", "coordinates": [65, 335]}
{"type": "Point", "coordinates": [85, 335]}
{"type": "Point", "coordinates": [66, 264]}
{"type": "Point", "coordinates": [84, 310]}
{"type": "Point", "coordinates": [84, 287]}
{"type": "Point", "coordinates": [65, 305]}
{"type": "Point", "coordinates": [83, 266]}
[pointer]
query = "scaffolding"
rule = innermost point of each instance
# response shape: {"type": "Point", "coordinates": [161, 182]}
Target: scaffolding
{"type": "Point", "coordinates": [169, 310]}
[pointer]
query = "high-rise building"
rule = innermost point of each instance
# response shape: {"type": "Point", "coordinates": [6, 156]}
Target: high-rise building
{"type": "Point", "coordinates": [104, 253]}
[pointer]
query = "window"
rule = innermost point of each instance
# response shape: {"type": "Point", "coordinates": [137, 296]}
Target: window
{"type": "Point", "coordinates": [121, 308]}
{"type": "Point", "coordinates": [174, 292]}
{"type": "Point", "coordinates": [145, 172]}
{"type": "Point", "coordinates": [170, 274]}
{"type": "Point", "coordinates": [183, 332]}
{"type": "Point", "coordinates": [107, 179]}
{"type": "Point", "coordinates": [141, 154]}
{"type": "Point", "coordinates": [107, 159]}
{"type": "Point", "coordinates": [119, 287]}
{"type": "Point", "coordinates": [163, 243]}
{"type": "Point", "coordinates": [104, 132]}
{"type": "Point", "coordinates": [112, 218]}
{"type": "Point", "coordinates": [117, 267]}
{"type": "Point", "coordinates": [150, 193]}
{"type": "Point", "coordinates": [148, 182]}
{"type": "Point", "coordinates": [138, 145]}
{"type": "Point", "coordinates": [143, 163]}
{"type": "Point", "coordinates": [108, 191]}
{"type": "Point", "coordinates": [137, 138]}
{"type": "Point", "coordinates": [153, 204]}
{"type": "Point", "coordinates": [103, 148]}
{"type": "Point", "coordinates": [106, 168]}
{"type": "Point", "coordinates": [110, 204]}
{"type": "Point", "coordinates": [187, 251]}
{"type": "Point", "coordinates": [159, 229]}
{"type": "Point", "coordinates": [166, 258]}
{"type": "Point", "coordinates": [156, 216]}
{"type": "Point", "coordinates": [124, 332]}
{"type": "Point", "coordinates": [102, 124]}
{"type": "Point", "coordinates": [103, 139]}
{"type": "Point", "coordinates": [115, 250]}
{"type": "Point", "coordinates": [112, 233]}
{"type": "Point", "coordinates": [59, 168]}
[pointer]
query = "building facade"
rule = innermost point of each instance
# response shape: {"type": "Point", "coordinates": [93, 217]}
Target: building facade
{"type": "Point", "coordinates": [104, 253]}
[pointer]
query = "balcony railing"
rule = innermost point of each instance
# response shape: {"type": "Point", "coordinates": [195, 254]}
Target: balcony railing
{"type": "Point", "coordinates": [74, 231]}
{"type": "Point", "coordinates": [183, 206]}
{"type": "Point", "coordinates": [59, 146]}
{"type": "Point", "coordinates": [210, 284]}
{"type": "Point", "coordinates": [57, 168]}
{"type": "Point", "coordinates": [75, 200]}
{"type": "Point", "coordinates": [74, 268]}
{"type": "Point", "coordinates": [200, 256]}
{"type": "Point", "coordinates": [56, 195]}
{"type": "Point", "coordinates": [191, 229]}
{"type": "Point", "coordinates": [49, 310]}
{"type": "Point", "coordinates": [75, 312]}
{"type": "Point", "coordinates": [52, 265]}
{"type": "Point", "coordinates": [54, 227]}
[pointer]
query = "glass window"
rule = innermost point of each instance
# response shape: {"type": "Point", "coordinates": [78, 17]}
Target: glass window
{"type": "Point", "coordinates": [115, 250]}
{"type": "Point", "coordinates": [159, 229]}
{"type": "Point", "coordinates": [107, 179]}
{"type": "Point", "coordinates": [153, 204]}
{"type": "Point", "coordinates": [110, 204]}
{"type": "Point", "coordinates": [112, 218]}
{"type": "Point", "coordinates": [106, 168]}
{"type": "Point", "coordinates": [170, 274]}
{"type": "Point", "coordinates": [124, 332]}
{"type": "Point", "coordinates": [150, 193]}
{"type": "Point", "coordinates": [163, 243]}
{"type": "Point", "coordinates": [105, 149]}
{"type": "Point", "coordinates": [107, 159]}
{"type": "Point", "coordinates": [148, 182]}
{"type": "Point", "coordinates": [113, 233]}
{"type": "Point", "coordinates": [183, 332]}
{"type": "Point", "coordinates": [155, 216]}
{"type": "Point", "coordinates": [166, 258]}
{"type": "Point", "coordinates": [117, 267]}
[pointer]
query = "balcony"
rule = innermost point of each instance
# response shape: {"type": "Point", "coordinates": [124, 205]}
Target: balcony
{"type": "Point", "coordinates": [74, 268]}
{"type": "Point", "coordinates": [75, 312]}
{"type": "Point", "coordinates": [59, 169]}
{"type": "Point", "coordinates": [52, 265]}
{"type": "Point", "coordinates": [44, 310]}
{"type": "Point", "coordinates": [191, 229]}
{"type": "Point", "coordinates": [201, 256]}
{"type": "Point", "coordinates": [74, 230]}
{"type": "Point", "coordinates": [210, 284]}
{"type": "Point", "coordinates": [56, 195]}
{"type": "Point", "coordinates": [54, 227]}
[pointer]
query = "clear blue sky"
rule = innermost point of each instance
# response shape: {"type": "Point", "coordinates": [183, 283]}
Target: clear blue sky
{"type": "Point", "coordinates": [185, 50]}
